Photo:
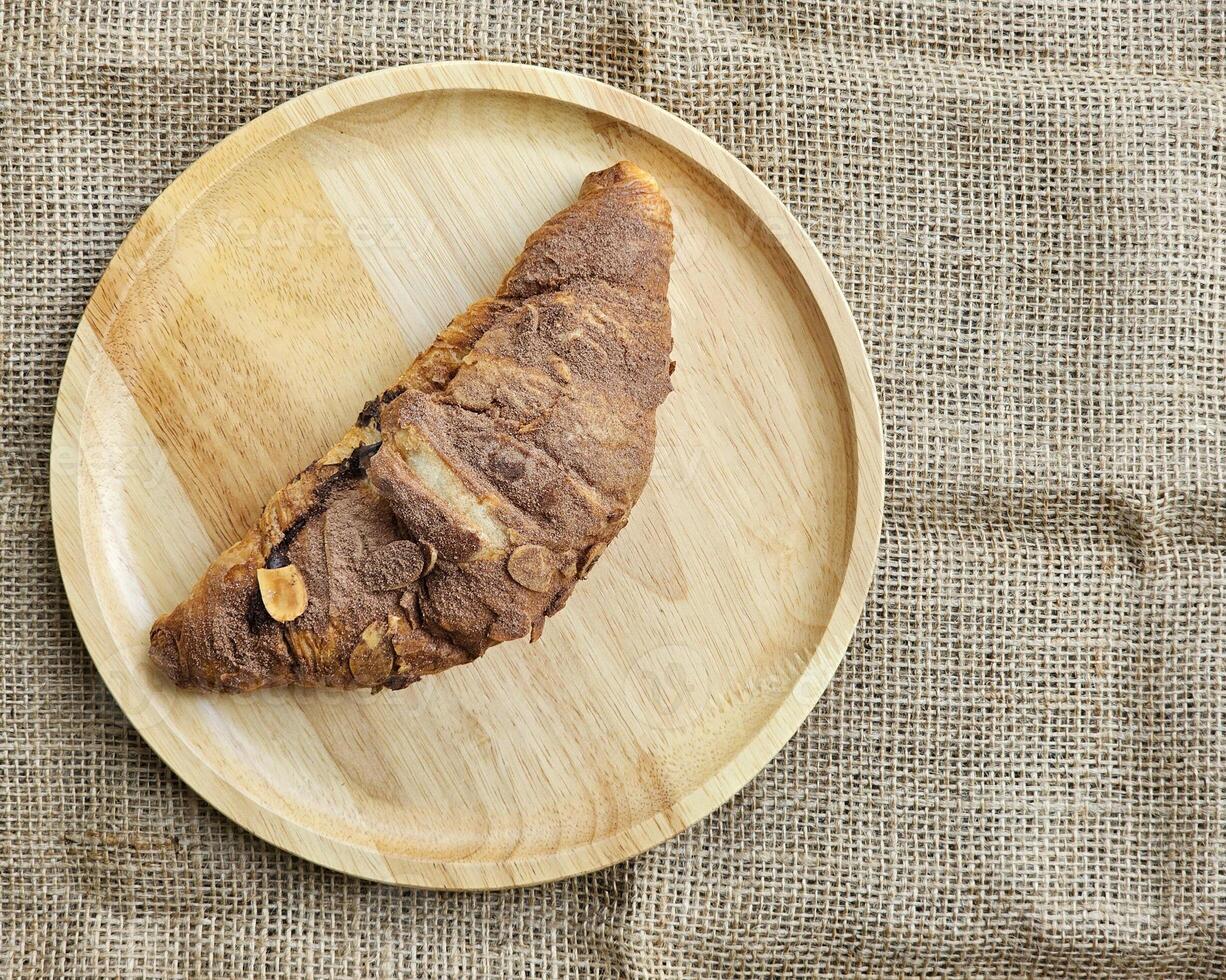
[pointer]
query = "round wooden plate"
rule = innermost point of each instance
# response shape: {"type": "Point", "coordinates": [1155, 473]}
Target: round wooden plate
{"type": "Point", "coordinates": [293, 271]}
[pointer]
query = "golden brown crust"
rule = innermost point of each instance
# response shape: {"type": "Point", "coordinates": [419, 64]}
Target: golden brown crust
{"type": "Point", "coordinates": [469, 498]}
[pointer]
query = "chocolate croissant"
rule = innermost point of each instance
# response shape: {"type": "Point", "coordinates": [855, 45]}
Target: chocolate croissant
{"type": "Point", "coordinates": [470, 497]}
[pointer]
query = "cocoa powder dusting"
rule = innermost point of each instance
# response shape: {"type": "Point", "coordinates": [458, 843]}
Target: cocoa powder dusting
{"type": "Point", "coordinates": [512, 451]}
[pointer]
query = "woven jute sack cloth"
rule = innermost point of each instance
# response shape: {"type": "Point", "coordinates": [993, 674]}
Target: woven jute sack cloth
{"type": "Point", "coordinates": [1018, 770]}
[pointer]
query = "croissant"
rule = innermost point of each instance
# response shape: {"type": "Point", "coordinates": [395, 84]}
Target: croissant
{"type": "Point", "coordinates": [471, 496]}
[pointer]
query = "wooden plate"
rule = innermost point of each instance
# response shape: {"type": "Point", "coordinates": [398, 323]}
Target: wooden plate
{"type": "Point", "coordinates": [290, 273]}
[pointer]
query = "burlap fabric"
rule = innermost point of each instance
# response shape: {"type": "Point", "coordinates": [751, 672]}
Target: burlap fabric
{"type": "Point", "coordinates": [1018, 768]}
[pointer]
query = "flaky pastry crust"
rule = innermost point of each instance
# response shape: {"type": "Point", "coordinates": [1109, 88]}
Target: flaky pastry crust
{"type": "Point", "coordinates": [470, 497]}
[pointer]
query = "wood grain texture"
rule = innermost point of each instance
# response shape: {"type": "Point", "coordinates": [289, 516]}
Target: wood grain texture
{"type": "Point", "coordinates": [293, 271]}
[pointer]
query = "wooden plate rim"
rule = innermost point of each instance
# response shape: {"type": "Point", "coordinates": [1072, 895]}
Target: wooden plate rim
{"type": "Point", "coordinates": [126, 266]}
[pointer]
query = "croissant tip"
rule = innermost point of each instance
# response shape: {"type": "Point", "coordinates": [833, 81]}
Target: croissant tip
{"type": "Point", "coordinates": [622, 172]}
{"type": "Point", "coordinates": [164, 653]}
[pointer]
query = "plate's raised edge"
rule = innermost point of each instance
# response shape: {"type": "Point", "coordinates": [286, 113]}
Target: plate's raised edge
{"type": "Point", "coordinates": [720, 165]}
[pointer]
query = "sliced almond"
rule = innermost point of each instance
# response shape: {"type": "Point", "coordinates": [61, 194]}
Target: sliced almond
{"type": "Point", "coordinates": [370, 661]}
{"type": "Point", "coordinates": [408, 602]}
{"type": "Point", "coordinates": [532, 566]}
{"type": "Point", "coordinates": [429, 557]}
{"type": "Point", "coordinates": [396, 565]}
{"type": "Point", "coordinates": [284, 592]}
{"type": "Point", "coordinates": [402, 633]}
{"type": "Point", "coordinates": [589, 559]}
{"type": "Point", "coordinates": [560, 369]}
{"type": "Point", "coordinates": [510, 626]}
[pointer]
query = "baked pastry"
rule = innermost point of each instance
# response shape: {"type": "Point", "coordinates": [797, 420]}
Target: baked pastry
{"type": "Point", "coordinates": [470, 497]}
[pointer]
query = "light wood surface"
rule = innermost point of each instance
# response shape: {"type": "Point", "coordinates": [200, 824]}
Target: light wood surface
{"type": "Point", "coordinates": [291, 273]}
